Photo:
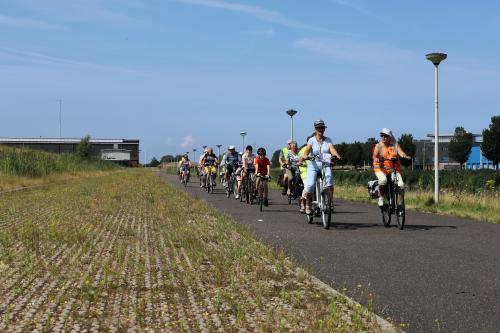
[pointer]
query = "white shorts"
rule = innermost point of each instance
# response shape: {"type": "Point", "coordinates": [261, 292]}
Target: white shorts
{"type": "Point", "coordinates": [382, 178]}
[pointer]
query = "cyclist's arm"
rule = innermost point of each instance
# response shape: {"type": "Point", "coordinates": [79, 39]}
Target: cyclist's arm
{"type": "Point", "coordinates": [268, 170]}
{"type": "Point", "coordinates": [334, 152]}
{"type": "Point", "coordinates": [376, 152]}
{"type": "Point", "coordinates": [306, 153]}
{"type": "Point", "coordinates": [402, 154]}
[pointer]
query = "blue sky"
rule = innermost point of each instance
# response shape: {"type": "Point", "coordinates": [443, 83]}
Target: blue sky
{"type": "Point", "coordinates": [179, 74]}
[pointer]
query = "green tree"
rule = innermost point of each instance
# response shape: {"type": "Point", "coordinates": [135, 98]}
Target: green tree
{"type": "Point", "coordinates": [355, 154]}
{"type": "Point", "coordinates": [275, 158]}
{"type": "Point", "coordinates": [342, 150]}
{"type": "Point", "coordinates": [84, 149]}
{"type": "Point", "coordinates": [406, 143]}
{"type": "Point", "coordinates": [491, 141]}
{"type": "Point", "coordinates": [154, 162]}
{"type": "Point", "coordinates": [460, 145]}
{"type": "Point", "coordinates": [368, 149]}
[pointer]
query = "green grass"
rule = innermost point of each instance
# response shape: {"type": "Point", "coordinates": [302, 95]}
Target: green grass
{"type": "Point", "coordinates": [126, 251]}
{"type": "Point", "coordinates": [35, 164]}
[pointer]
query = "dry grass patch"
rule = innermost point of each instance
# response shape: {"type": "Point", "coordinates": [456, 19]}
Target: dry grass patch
{"type": "Point", "coordinates": [125, 251]}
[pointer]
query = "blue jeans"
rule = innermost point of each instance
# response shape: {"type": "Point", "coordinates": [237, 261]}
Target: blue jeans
{"type": "Point", "coordinates": [313, 167]}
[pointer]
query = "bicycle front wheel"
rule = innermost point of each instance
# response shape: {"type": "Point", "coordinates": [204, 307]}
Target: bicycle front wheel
{"type": "Point", "coordinates": [400, 209]}
{"type": "Point", "coordinates": [326, 208]}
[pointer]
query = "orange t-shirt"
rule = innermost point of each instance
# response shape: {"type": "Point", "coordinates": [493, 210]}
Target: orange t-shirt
{"type": "Point", "coordinates": [262, 164]}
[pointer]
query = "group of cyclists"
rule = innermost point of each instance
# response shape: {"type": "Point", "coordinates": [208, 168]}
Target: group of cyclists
{"type": "Point", "coordinates": [301, 166]}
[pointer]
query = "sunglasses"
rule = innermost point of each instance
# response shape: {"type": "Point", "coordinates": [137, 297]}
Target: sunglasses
{"type": "Point", "coordinates": [320, 128]}
{"type": "Point", "coordinates": [384, 136]}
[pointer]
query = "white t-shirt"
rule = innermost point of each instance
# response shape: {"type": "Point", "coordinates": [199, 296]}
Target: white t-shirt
{"type": "Point", "coordinates": [319, 149]}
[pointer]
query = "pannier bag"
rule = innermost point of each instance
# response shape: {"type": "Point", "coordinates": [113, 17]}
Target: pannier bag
{"type": "Point", "coordinates": [373, 189]}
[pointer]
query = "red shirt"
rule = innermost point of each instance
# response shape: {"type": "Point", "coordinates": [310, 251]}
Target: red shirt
{"type": "Point", "coordinates": [262, 164]}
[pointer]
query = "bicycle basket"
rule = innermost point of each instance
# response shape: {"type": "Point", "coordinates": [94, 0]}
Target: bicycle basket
{"type": "Point", "coordinates": [373, 190]}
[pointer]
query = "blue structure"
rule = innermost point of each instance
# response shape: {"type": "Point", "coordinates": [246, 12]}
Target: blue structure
{"type": "Point", "coordinates": [477, 160]}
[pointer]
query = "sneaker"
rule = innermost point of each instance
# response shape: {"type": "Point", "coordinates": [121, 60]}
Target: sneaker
{"type": "Point", "coordinates": [237, 196]}
{"type": "Point", "coordinates": [380, 201]}
{"type": "Point", "coordinates": [283, 192]}
{"type": "Point", "coordinates": [266, 202]}
{"type": "Point", "coordinates": [302, 210]}
{"type": "Point", "coordinates": [288, 192]}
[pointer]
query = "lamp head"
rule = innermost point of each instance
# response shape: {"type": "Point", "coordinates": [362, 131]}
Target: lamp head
{"type": "Point", "coordinates": [436, 58]}
{"type": "Point", "coordinates": [291, 112]}
{"type": "Point", "coordinates": [243, 133]}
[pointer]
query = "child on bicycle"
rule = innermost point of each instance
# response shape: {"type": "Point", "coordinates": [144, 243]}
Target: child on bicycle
{"type": "Point", "coordinates": [263, 168]}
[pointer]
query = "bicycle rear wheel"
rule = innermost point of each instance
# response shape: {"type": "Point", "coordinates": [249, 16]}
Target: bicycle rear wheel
{"type": "Point", "coordinates": [326, 208]}
{"type": "Point", "coordinates": [400, 209]}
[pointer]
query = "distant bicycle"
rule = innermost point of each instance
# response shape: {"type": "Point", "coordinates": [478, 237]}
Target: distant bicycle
{"type": "Point", "coordinates": [322, 197]}
{"type": "Point", "coordinates": [296, 186]}
{"type": "Point", "coordinates": [248, 188]}
{"type": "Point", "coordinates": [185, 176]}
{"type": "Point", "coordinates": [231, 185]}
{"type": "Point", "coordinates": [394, 201]}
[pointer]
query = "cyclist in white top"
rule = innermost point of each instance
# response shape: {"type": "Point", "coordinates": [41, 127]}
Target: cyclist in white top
{"type": "Point", "coordinates": [317, 146]}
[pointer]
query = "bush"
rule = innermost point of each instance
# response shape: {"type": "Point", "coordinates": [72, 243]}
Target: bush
{"type": "Point", "coordinates": [34, 163]}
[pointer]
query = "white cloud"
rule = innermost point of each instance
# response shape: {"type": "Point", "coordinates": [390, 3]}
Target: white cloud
{"type": "Point", "coordinates": [255, 11]}
{"type": "Point", "coordinates": [187, 141]}
{"type": "Point", "coordinates": [360, 52]}
{"type": "Point", "coordinates": [27, 23]}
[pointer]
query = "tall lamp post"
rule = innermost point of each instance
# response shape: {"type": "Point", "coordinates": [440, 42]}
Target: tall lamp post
{"type": "Point", "coordinates": [436, 59]}
{"type": "Point", "coordinates": [291, 113]}
{"type": "Point", "coordinates": [218, 155]}
{"type": "Point", "coordinates": [243, 137]}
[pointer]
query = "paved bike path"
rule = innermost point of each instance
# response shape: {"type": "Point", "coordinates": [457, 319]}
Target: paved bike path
{"type": "Point", "coordinates": [440, 274]}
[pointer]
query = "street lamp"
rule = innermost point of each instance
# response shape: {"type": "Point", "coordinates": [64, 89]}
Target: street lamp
{"type": "Point", "coordinates": [291, 113]}
{"type": "Point", "coordinates": [243, 137]}
{"type": "Point", "coordinates": [194, 154]}
{"type": "Point", "coordinates": [436, 59]}
{"type": "Point", "coordinates": [218, 164]}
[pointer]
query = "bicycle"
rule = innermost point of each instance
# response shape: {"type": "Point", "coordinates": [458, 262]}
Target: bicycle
{"type": "Point", "coordinates": [231, 184]}
{"type": "Point", "coordinates": [322, 203]}
{"type": "Point", "coordinates": [260, 189]}
{"type": "Point", "coordinates": [294, 188]}
{"type": "Point", "coordinates": [248, 188]}
{"type": "Point", "coordinates": [185, 176]}
{"type": "Point", "coordinates": [395, 199]}
{"type": "Point", "coordinates": [210, 181]}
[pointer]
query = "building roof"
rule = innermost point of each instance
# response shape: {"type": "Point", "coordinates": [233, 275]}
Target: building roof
{"type": "Point", "coordinates": [448, 137]}
{"type": "Point", "coordinates": [66, 140]}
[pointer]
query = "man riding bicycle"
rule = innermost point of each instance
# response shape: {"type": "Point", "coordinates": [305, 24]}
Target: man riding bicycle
{"type": "Point", "coordinates": [384, 152]}
{"type": "Point", "coordinates": [231, 161]}
{"type": "Point", "coordinates": [209, 163]}
{"type": "Point", "coordinates": [317, 145]}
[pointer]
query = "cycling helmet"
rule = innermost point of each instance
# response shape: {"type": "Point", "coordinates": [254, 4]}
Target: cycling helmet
{"type": "Point", "coordinates": [319, 124]}
{"type": "Point", "coordinates": [386, 131]}
{"type": "Point", "coordinates": [261, 151]}
{"type": "Point", "coordinates": [231, 147]}
{"type": "Point", "coordinates": [249, 148]}
{"type": "Point", "coordinates": [186, 155]}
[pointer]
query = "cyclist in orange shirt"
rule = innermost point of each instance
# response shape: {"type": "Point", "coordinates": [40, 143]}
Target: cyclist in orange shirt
{"type": "Point", "coordinates": [385, 150]}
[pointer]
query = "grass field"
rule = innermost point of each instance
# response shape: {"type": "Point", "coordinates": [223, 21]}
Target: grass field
{"type": "Point", "coordinates": [125, 251]}
{"type": "Point", "coordinates": [26, 167]}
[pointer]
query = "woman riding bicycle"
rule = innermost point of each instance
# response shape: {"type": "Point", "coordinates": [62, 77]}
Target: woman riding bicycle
{"type": "Point", "coordinates": [318, 145]}
{"type": "Point", "coordinates": [248, 160]}
{"type": "Point", "coordinates": [383, 154]}
{"type": "Point", "coordinates": [291, 166]}
{"type": "Point", "coordinates": [184, 167]}
{"type": "Point", "coordinates": [209, 162]}
{"type": "Point", "coordinates": [262, 167]}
